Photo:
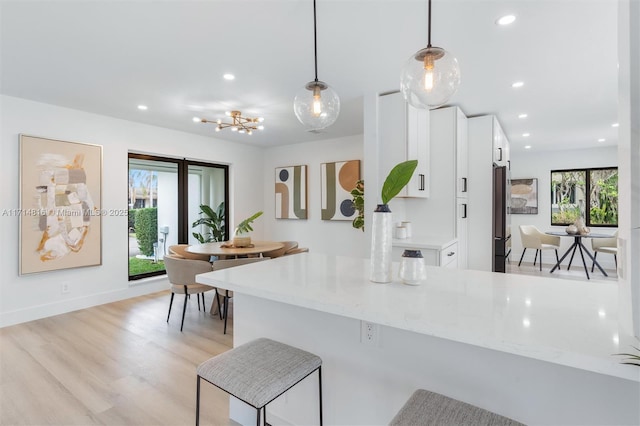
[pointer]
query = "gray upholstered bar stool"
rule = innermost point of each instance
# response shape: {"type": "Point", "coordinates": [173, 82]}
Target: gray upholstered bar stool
{"type": "Point", "coordinates": [258, 372]}
{"type": "Point", "coordinates": [429, 408]}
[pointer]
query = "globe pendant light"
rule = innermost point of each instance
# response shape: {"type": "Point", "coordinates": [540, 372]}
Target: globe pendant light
{"type": "Point", "coordinates": [430, 76]}
{"type": "Point", "coordinates": [316, 105]}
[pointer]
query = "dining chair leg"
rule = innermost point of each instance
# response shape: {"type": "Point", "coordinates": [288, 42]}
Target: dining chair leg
{"type": "Point", "coordinates": [557, 260]}
{"type": "Point", "coordinates": [535, 258]}
{"type": "Point", "coordinates": [203, 305]}
{"type": "Point", "coordinates": [184, 308]}
{"type": "Point", "coordinates": [170, 303]}
{"type": "Point", "coordinates": [521, 257]}
{"type": "Point", "coordinates": [198, 297]}
{"type": "Point", "coordinates": [593, 264]}
{"type": "Point", "coordinates": [540, 260]}
{"type": "Point", "coordinates": [217, 296]}
{"type": "Point", "coordinates": [615, 259]}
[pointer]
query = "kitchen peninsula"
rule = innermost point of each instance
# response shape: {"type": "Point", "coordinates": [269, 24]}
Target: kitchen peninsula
{"type": "Point", "coordinates": [532, 350]}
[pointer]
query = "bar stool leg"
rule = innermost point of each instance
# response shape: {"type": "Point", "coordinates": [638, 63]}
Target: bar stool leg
{"type": "Point", "coordinates": [320, 391]}
{"type": "Point", "coordinates": [198, 402]}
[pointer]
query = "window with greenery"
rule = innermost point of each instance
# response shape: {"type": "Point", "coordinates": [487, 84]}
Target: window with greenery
{"type": "Point", "coordinates": [588, 193]}
{"type": "Point", "coordinates": [165, 199]}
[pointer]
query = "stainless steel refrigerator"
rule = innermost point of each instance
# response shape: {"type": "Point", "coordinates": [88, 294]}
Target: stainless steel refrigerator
{"type": "Point", "coordinates": [501, 218]}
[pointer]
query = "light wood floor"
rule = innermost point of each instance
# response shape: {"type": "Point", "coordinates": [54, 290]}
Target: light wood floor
{"type": "Point", "coordinates": [115, 364]}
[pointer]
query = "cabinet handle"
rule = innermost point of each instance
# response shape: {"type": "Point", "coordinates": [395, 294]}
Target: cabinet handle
{"type": "Point", "coordinates": [421, 182]}
{"type": "Point", "coordinates": [451, 253]}
{"type": "Point", "coordinates": [499, 154]}
{"type": "Point", "coordinates": [464, 214]}
{"type": "Point", "coordinates": [464, 184]}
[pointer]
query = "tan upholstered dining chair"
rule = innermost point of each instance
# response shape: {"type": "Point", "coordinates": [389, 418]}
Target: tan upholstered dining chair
{"type": "Point", "coordinates": [534, 239]}
{"type": "Point", "coordinates": [605, 245]}
{"type": "Point", "coordinates": [182, 277]}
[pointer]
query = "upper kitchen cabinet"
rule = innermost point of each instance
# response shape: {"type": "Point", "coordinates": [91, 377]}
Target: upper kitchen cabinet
{"type": "Point", "coordinates": [500, 144]}
{"type": "Point", "coordinates": [403, 133]}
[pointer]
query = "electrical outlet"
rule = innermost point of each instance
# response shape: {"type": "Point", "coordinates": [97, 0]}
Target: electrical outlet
{"type": "Point", "coordinates": [369, 333]}
{"type": "Point", "coordinates": [66, 287]}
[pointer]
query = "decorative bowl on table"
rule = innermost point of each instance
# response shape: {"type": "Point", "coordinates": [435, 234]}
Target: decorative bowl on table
{"type": "Point", "coordinates": [241, 241]}
{"type": "Point", "coordinates": [572, 229]}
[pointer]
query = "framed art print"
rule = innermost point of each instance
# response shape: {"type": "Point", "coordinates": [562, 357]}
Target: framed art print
{"type": "Point", "coordinates": [524, 196]}
{"type": "Point", "coordinates": [60, 204]}
{"type": "Point", "coordinates": [336, 182]}
{"type": "Point", "coordinates": [291, 192]}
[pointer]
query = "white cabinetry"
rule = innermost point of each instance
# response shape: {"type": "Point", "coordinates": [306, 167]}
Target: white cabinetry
{"type": "Point", "coordinates": [403, 133]}
{"type": "Point", "coordinates": [488, 145]}
{"type": "Point", "coordinates": [449, 164]}
{"type": "Point", "coordinates": [435, 250]}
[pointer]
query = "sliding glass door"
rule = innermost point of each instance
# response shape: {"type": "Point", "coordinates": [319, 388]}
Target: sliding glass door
{"type": "Point", "coordinates": [165, 199]}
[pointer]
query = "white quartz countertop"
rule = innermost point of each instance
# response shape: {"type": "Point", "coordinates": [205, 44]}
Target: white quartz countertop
{"type": "Point", "coordinates": [571, 323]}
{"type": "Point", "coordinates": [424, 242]}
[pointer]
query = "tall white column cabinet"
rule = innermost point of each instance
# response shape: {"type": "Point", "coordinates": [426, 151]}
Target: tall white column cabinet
{"type": "Point", "coordinates": [403, 134]}
{"type": "Point", "coordinates": [449, 172]}
{"type": "Point", "coordinates": [488, 145]}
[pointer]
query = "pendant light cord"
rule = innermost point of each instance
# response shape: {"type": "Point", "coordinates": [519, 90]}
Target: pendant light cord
{"type": "Point", "coordinates": [429, 25]}
{"type": "Point", "coordinates": [315, 40]}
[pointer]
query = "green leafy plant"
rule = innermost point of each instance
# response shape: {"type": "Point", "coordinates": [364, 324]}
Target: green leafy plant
{"type": "Point", "coordinates": [245, 226]}
{"type": "Point", "coordinates": [358, 203]}
{"type": "Point", "coordinates": [397, 179]}
{"type": "Point", "coordinates": [214, 221]}
{"type": "Point", "coordinates": [147, 229]}
{"type": "Point", "coordinates": [631, 359]}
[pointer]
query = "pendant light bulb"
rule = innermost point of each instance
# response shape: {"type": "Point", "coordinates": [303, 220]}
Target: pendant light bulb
{"type": "Point", "coordinates": [430, 76]}
{"type": "Point", "coordinates": [316, 105]}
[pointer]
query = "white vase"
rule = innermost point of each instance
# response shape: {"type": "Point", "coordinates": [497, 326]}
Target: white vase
{"type": "Point", "coordinates": [381, 235]}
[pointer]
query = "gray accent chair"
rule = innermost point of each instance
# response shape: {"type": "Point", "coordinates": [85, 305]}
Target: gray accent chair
{"type": "Point", "coordinates": [258, 372]}
{"type": "Point", "coordinates": [182, 277]}
{"type": "Point", "coordinates": [429, 408]}
{"type": "Point", "coordinates": [226, 294]}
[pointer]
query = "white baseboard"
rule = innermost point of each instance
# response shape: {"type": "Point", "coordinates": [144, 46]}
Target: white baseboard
{"type": "Point", "coordinates": [69, 305]}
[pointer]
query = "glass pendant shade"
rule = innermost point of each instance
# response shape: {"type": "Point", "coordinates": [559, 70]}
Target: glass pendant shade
{"type": "Point", "coordinates": [316, 105]}
{"type": "Point", "coordinates": [429, 78]}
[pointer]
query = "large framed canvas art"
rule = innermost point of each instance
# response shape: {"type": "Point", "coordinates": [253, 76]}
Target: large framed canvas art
{"type": "Point", "coordinates": [524, 196]}
{"type": "Point", "coordinates": [60, 204]}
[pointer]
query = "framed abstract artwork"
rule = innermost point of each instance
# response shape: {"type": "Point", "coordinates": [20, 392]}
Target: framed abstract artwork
{"type": "Point", "coordinates": [524, 196]}
{"type": "Point", "coordinates": [60, 204]}
{"type": "Point", "coordinates": [336, 182]}
{"type": "Point", "coordinates": [291, 192]}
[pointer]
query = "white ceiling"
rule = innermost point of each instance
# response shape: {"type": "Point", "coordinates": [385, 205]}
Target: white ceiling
{"type": "Point", "coordinates": [107, 57]}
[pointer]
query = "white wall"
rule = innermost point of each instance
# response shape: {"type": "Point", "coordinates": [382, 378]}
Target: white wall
{"type": "Point", "coordinates": [325, 236]}
{"type": "Point", "coordinates": [539, 165]}
{"type": "Point", "coordinates": [24, 298]}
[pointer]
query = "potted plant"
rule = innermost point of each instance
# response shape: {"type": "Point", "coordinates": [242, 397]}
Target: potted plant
{"type": "Point", "coordinates": [381, 230]}
{"type": "Point", "coordinates": [244, 227]}
{"type": "Point", "coordinates": [214, 221]}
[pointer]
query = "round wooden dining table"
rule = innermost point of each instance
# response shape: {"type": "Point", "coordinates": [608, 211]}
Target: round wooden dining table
{"type": "Point", "coordinates": [218, 249]}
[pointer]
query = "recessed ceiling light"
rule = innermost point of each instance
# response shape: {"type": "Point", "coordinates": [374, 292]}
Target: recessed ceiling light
{"type": "Point", "coordinates": [615, 125]}
{"type": "Point", "coordinates": [229, 77]}
{"type": "Point", "coordinates": [506, 20]}
{"type": "Point", "coordinates": [197, 120]}
{"type": "Point", "coordinates": [143, 107]}
{"type": "Point", "coordinates": [601, 140]}
{"type": "Point", "coordinates": [517, 84]}
{"type": "Point", "coordinates": [523, 115]}
{"type": "Point", "coordinates": [527, 147]}
{"type": "Point", "coordinates": [526, 135]}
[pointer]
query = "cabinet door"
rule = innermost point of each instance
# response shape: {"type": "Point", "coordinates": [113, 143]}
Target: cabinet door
{"type": "Point", "coordinates": [462, 233]}
{"type": "Point", "coordinates": [403, 134]}
{"type": "Point", "coordinates": [499, 155]}
{"type": "Point", "coordinates": [418, 149]}
{"type": "Point", "coordinates": [462, 155]}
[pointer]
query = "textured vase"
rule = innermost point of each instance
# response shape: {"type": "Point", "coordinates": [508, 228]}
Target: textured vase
{"type": "Point", "coordinates": [381, 235]}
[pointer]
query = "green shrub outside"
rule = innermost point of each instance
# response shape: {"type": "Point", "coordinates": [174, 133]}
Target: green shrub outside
{"type": "Point", "coordinates": [146, 225]}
